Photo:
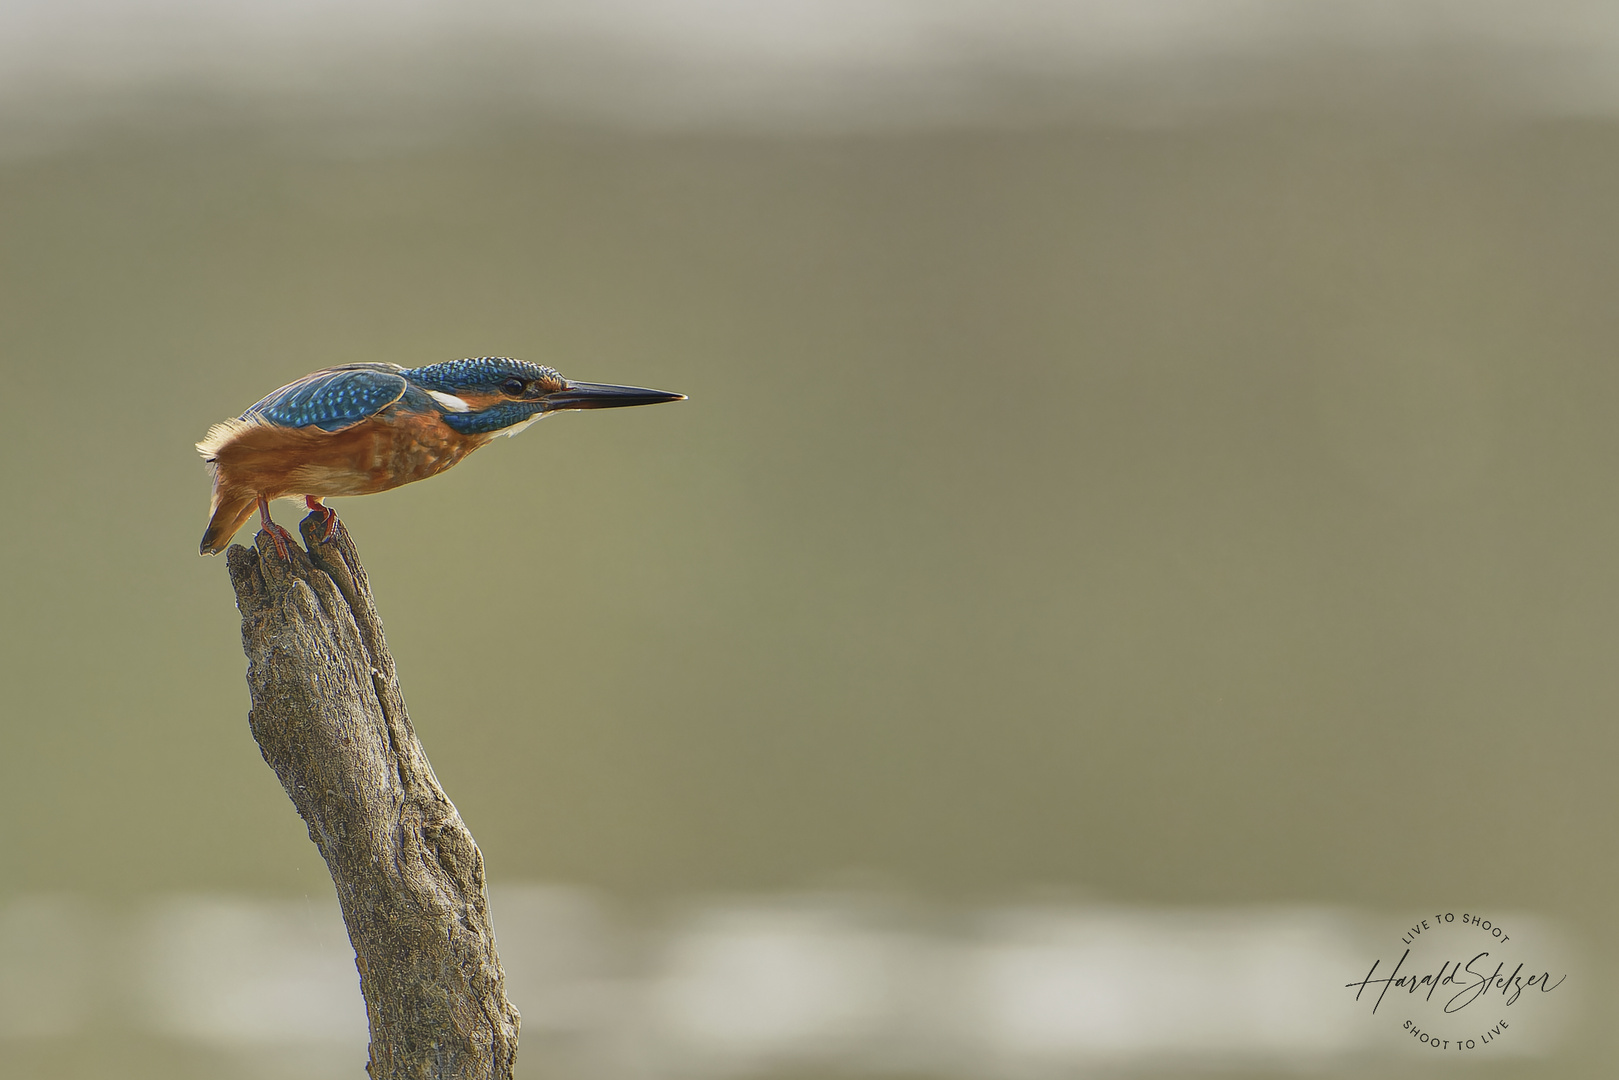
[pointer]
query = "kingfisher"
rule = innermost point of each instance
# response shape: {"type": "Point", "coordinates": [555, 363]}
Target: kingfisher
{"type": "Point", "coordinates": [360, 428]}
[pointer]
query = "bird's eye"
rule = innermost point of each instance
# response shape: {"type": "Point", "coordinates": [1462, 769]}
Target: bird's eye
{"type": "Point", "coordinates": [514, 387]}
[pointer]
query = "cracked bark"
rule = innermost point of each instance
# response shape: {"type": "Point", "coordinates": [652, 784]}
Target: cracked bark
{"type": "Point", "coordinates": [330, 720]}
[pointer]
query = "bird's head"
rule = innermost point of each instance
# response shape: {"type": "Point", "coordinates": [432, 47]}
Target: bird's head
{"type": "Point", "coordinates": [497, 395]}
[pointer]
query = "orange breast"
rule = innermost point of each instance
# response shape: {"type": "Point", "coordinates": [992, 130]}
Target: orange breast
{"type": "Point", "coordinates": [385, 451]}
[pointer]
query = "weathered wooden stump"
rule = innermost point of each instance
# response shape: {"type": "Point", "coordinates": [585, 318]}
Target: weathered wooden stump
{"type": "Point", "coordinates": [330, 719]}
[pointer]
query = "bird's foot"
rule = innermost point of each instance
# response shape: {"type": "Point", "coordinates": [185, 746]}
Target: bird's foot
{"type": "Point", "coordinates": [328, 518]}
{"type": "Point", "coordinates": [280, 537]}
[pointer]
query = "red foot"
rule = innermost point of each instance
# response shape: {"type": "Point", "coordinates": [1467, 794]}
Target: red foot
{"type": "Point", "coordinates": [282, 538]}
{"type": "Point", "coordinates": [328, 518]}
{"type": "Point", "coordinates": [278, 536]}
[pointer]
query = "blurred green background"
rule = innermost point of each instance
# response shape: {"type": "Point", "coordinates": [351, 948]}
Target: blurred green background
{"type": "Point", "coordinates": [1218, 513]}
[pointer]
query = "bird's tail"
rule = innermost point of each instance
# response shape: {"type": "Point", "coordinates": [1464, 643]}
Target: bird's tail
{"type": "Point", "coordinates": [229, 514]}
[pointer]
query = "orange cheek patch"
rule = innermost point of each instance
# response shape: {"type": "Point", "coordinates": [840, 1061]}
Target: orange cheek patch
{"type": "Point", "coordinates": [479, 402]}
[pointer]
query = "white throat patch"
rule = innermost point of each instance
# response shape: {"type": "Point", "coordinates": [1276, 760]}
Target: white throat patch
{"type": "Point", "coordinates": [449, 401]}
{"type": "Point", "coordinates": [522, 424]}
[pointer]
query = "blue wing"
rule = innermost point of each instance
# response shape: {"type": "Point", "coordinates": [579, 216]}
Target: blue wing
{"type": "Point", "coordinates": [333, 399]}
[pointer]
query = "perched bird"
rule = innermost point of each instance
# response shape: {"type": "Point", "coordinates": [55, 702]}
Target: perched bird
{"type": "Point", "coordinates": [361, 428]}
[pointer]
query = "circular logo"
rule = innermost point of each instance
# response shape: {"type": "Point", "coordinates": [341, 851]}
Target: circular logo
{"type": "Point", "coordinates": [1460, 981]}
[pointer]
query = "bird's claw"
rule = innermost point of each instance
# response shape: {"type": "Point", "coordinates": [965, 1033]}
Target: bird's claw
{"type": "Point", "coordinates": [280, 538]}
{"type": "Point", "coordinates": [329, 524]}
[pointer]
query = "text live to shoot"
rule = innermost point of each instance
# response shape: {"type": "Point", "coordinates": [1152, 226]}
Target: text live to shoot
{"type": "Point", "coordinates": [1478, 976]}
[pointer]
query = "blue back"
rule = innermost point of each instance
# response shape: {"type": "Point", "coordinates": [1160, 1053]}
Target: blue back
{"type": "Point", "coordinates": [332, 399]}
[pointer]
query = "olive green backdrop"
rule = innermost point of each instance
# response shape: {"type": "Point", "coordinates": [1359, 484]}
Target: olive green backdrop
{"type": "Point", "coordinates": [1219, 514]}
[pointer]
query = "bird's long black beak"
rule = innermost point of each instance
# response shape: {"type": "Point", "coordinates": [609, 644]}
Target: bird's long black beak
{"type": "Point", "coordinates": [587, 395]}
